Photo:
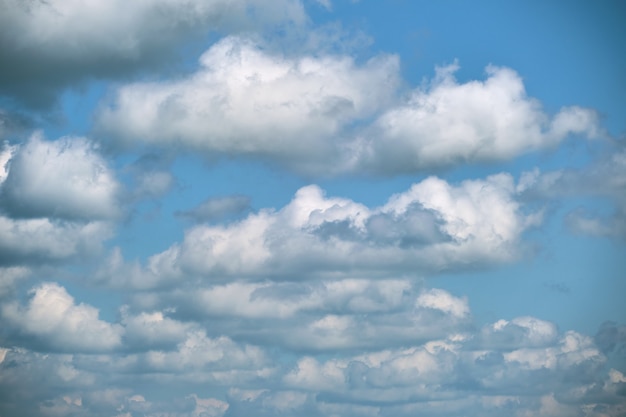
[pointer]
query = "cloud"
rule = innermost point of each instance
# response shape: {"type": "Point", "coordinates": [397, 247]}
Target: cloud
{"type": "Point", "coordinates": [604, 177]}
{"type": "Point", "coordinates": [150, 176]}
{"type": "Point", "coordinates": [217, 208]}
{"type": "Point", "coordinates": [535, 370]}
{"type": "Point", "coordinates": [152, 330]}
{"type": "Point", "coordinates": [519, 332]}
{"type": "Point", "coordinates": [55, 44]}
{"type": "Point", "coordinates": [36, 241]}
{"type": "Point", "coordinates": [245, 100]}
{"type": "Point", "coordinates": [441, 300]}
{"type": "Point", "coordinates": [58, 200]}
{"type": "Point", "coordinates": [9, 276]}
{"type": "Point", "coordinates": [56, 323]}
{"type": "Point", "coordinates": [611, 337]}
{"type": "Point", "coordinates": [434, 226]}
{"type": "Point", "coordinates": [314, 114]}
{"type": "Point", "coordinates": [348, 314]}
{"type": "Point", "coordinates": [447, 123]}
{"type": "Point", "coordinates": [63, 179]}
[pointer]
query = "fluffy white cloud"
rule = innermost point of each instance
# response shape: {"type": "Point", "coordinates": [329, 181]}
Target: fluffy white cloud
{"type": "Point", "coordinates": [65, 179]}
{"type": "Point", "coordinates": [443, 301]}
{"type": "Point", "coordinates": [448, 123]}
{"type": "Point", "coordinates": [300, 112]}
{"type": "Point", "coordinates": [57, 43]}
{"type": "Point", "coordinates": [58, 199]}
{"type": "Point", "coordinates": [28, 241]}
{"type": "Point", "coordinates": [246, 100]}
{"type": "Point", "coordinates": [55, 322]}
{"type": "Point", "coordinates": [433, 226]}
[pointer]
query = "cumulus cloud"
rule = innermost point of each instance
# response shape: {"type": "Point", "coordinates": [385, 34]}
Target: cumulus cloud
{"type": "Point", "coordinates": [55, 322]}
{"type": "Point", "coordinates": [58, 200]}
{"type": "Point", "coordinates": [36, 241]}
{"type": "Point", "coordinates": [246, 101]}
{"type": "Point", "coordinates": [348, 314]}
{"type": "Point", "coordinates": [535, 371]}
{"type": "Point", "coordinates": [443, 377]}
{"type": "Point", "coordinates": [434, 226]}
{"type": "Point", "coordinates": [54, 44]}
{"type": "Point", "coordinates": [63, 179]}
{"type": "Point", "coordinates": [447, 123]}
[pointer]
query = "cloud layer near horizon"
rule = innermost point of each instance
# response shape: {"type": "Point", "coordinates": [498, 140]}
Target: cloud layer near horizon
{"type": "Point", "coordinates": [440, 363]}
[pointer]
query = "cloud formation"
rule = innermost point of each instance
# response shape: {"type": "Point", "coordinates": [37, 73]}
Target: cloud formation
{"type": "Point", "coordinates": [434, 226]}
{"type": "Point", "coordinates": [56, 44]}
{"type": "Point", "coordinates": [59, 199]}
{"type": "Point", "coordinates": [126, 292]}
{"type": "Point", "coordinates": [302, 112]}
{"type": "Point", "coordinates": [447, 123]}
{"type": "Point", "coordinates": [218, 208]}
{"type": "Point", "coordinates": [519, 367]}
{"type": "Point", "coordinates": [604, 177]}
{"type": "Point", "coordinates": [245, 100]}
{"type": "Point", "coordinates": [58, 324]}
{"type": "Point", "coordinates": [63, 179]}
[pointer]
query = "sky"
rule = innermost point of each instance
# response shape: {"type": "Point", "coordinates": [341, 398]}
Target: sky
{"type": "Point", "coordinates": [219, 208]}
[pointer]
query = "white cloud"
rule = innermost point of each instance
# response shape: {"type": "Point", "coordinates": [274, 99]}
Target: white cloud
{"type": "Point", "coordinates": [209, 407]}
{"type": "Point", "coordinates": [55, 322]}
{"type": "Point", "coordinates": [309, 316]}
{"type": "Point", "coordinates": [447, 123]}
{"type": "Point", "coordinates": [560, 374]}
{"type": "Point", "coordinates": [31, 241]}
{"type": "Point", "coordinates": [286, 304]}
{"type": "Point", "coordinates": [246, 100]}
{"type": "Point", "coordinates": [312, 375]}
{"type": "Point", "coordinates": [433, 226]}
{"type": "Point", "coordinates": [200, 356]}
{"type": "Point", "coordinates": [66, 179]}
{"type": "Point", "coordinates": [441, 300]}
{"type": "Point", "coordinates": [58, 198]}
{"type": "Point", "coordinates": [519, 332]}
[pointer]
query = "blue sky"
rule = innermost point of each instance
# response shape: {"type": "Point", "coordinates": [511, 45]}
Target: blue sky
{"type": "Point", "coordinates": [312, 208]}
